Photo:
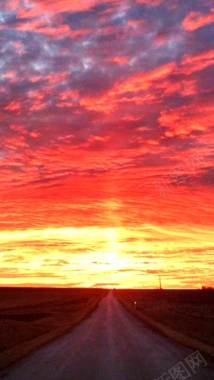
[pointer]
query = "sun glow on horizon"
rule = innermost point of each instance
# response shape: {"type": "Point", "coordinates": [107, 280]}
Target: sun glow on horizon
{"type": "Point", "coordinates": [84, 256]}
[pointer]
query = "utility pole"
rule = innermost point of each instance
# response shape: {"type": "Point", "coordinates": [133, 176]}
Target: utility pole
{"type": "Point", "coordinates": [160, 281]}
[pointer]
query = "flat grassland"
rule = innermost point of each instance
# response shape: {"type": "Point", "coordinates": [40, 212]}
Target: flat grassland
{"type": "Point", "coordinates": [30, 317]}
{"type": "Point", "coordinates": [187, 316]}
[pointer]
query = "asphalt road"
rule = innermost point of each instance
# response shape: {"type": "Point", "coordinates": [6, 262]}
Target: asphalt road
{"type": "Point", "coordinates": [110, 345]}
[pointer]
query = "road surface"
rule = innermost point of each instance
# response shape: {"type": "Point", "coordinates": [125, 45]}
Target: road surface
{"type": "Point", "coordinates": [110, 345]}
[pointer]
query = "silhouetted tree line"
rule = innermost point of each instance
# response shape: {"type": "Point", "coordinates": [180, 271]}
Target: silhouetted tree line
{"type": "Point", "coordinates": [207, 288]}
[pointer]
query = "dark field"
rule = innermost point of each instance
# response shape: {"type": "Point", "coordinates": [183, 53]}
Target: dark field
{"type": "Point", "coordinates": [31, 317]}
{"type": "Point", "coordinates": [185, 315]}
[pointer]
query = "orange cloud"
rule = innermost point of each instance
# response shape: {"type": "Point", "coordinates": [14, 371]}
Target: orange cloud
{"type": "Point", "coordinates": [195, 20]}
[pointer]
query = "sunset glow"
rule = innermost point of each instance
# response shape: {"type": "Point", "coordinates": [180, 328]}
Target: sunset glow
{"type": "Point", "coordinates": [106, 143]}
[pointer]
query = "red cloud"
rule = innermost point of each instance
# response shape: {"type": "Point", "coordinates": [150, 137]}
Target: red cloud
{"type": "Point", "coordinates": [39, 25]}
{"type": "Point", "coordinates": [189, 65]}
{"type": "Point", "coordinates": [142, 81]}
{"type": "Point", "coordinates": [56, 78]}
{"type": "Point", "coordinates": [14, 107]}
{"type": "Point", "coordinates": [195, 20]}
{"type": "Point", "coordinates": [186, 119]}
{"type": "Point", "coordinates": [185, 87]}
{"type": "Point", "coordinates": [62, 29]}
{"type": "Point", "coordinates": [149, 2]}
{"type": "Point", "coordinates": [193, 63]}
{"type": "Point", "coordinates": [38, 7]}
{"type": "Point", "coordinates": [118, 59]}
{"type": "Point", "coordinates": [16, 142]}
{"type": "Point", "coordinates": [19, 129]}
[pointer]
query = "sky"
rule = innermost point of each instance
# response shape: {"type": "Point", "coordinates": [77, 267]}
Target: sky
{"type": "Point", "coordinates": [107, 158]}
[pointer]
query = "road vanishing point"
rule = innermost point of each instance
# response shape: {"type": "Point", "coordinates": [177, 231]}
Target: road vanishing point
{"type": "Point", "coordinates": [110, 345]}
